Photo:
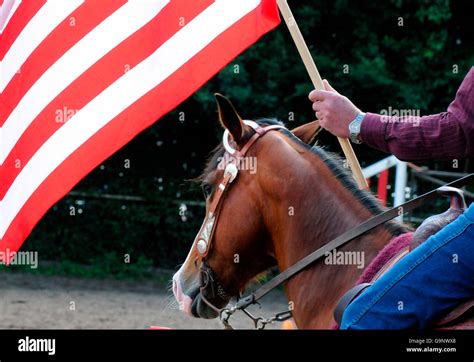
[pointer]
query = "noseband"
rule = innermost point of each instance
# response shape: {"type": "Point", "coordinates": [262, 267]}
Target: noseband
{"type": "Point", "coordinates": [203, 241]}
{"type": "Point", "coordinates": [210, 284]}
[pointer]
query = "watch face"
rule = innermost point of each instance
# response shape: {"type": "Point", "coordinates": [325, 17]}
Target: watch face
{"type": "Point", "coordinates": [354, 127]}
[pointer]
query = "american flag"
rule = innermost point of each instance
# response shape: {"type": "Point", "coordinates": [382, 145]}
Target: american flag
{"type": "Point", "coordinates": [80, 78]}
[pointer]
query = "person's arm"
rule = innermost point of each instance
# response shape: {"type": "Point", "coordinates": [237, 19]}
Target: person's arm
{"type": "Point", "coordinates": [445, 135]}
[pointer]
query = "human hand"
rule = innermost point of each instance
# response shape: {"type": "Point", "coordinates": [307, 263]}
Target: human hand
{"type": "Point", "coordinates": [333, 110]}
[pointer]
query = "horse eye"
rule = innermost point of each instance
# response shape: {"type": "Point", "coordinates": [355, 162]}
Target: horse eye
{"type": "Point", "coordinates": [206, 190]}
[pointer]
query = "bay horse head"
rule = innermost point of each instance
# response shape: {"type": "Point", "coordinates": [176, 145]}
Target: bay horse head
{"type": "Point", "coordinates": [234, 244]}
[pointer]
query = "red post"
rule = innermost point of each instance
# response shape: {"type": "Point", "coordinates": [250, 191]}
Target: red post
{"type": "Point", "coordinates": [382, 187]}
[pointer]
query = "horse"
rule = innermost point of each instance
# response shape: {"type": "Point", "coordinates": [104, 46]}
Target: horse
{"type": "Point", "coordinates": [300, 198]}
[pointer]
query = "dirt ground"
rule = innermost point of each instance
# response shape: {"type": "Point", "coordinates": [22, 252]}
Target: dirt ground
{"type": "Point", "coordinates": [51, 302]}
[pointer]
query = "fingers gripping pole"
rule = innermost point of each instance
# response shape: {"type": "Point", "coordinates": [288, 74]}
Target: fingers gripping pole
{"type": "Point", "coordinates": [318, 84]}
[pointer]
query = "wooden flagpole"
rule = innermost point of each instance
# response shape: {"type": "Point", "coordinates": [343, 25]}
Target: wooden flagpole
{"type": "Point", "coordinates": [318, 84]}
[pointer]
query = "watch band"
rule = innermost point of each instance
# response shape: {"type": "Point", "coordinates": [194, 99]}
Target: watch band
{"type": "Point", "coordinates": [354, 128]}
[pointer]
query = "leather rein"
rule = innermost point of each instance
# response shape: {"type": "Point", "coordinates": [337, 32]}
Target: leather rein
{"type": "Point", "coordinates": [203, 240]}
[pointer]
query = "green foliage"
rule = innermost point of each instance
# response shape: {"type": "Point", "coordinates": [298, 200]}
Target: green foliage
{"type": "Point", "coordinates": [108, 264]}
{"type": "Point", "coordinates": [409, 66]}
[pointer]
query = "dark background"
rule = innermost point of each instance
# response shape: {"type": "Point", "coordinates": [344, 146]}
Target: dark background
{"type": "Point", "coordinates": [410, 67]}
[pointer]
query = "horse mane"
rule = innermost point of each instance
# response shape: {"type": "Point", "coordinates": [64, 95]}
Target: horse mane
{"type": "Point", "coordinates": [332, 160]}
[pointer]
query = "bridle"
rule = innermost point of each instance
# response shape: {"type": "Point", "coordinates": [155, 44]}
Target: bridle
{"type": "Point", "coordinates": [231, 164]}
{"type": "Point", "coordinates": [203, 240]}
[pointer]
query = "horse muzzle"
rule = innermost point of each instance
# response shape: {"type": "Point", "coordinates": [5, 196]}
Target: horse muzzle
{"type": "Point", "coordinates": [200, 300]}
{"type": "Point", "coordinates": [185, 301]}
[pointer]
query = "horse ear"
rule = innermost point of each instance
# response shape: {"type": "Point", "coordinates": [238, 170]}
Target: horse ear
{"type": "Point", "coordinates": [229, 117]}
{"type": "Point", "coordinates": [307, 132]}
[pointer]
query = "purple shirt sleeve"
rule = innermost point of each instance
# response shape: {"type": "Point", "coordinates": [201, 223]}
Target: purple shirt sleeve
{"type": "Point", "coordinates": [447, 135]}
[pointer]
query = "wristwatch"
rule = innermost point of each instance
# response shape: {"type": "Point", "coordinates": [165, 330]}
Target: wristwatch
{"type": "Point", "coordinates": [354, 128]}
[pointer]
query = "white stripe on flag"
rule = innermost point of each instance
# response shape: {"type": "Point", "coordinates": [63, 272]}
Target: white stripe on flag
{"type": "Point", "coordinates": [6, 12]}
{"type": "Point", "coordinates": [38, 28]}
{"type": "Point", "coordinates": [181, 47]}
{"type": "Point", "coordinates": [107, 35]}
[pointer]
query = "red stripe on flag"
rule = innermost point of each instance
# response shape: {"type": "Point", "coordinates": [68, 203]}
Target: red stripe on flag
{"type": "Point", "coordinates": [111, 67]}
{"type": "Point", "coordinates": [23, 14]}
{"type": "Point", "coordinates": [144, 112]}
{"type": "Point", "coordinates": [64, 37]}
